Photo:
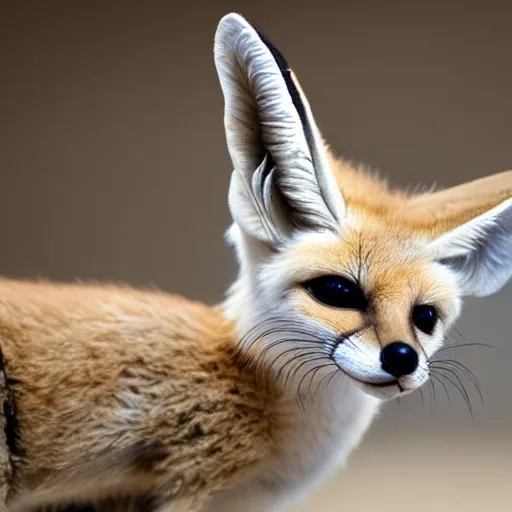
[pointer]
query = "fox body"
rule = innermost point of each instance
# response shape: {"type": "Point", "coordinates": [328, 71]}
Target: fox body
{"type": "Point", "coordinates": [345, 290]}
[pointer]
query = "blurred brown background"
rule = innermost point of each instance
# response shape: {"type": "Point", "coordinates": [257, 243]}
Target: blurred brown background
{"type": "Point", "coordinates": [114, 166]}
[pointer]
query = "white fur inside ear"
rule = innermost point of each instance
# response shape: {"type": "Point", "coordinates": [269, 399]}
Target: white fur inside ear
{"type": "Point", "coordinates": [258, 107]}
{"type": "Point", "coordinates": [479, 251]}
{"type": "Point", "coordinates": [267, 143]}
{"type": "Point", "coordinates": [255, 206]}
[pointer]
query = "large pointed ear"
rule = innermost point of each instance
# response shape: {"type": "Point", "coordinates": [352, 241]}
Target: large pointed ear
{"type": "Point", "coordinates": [475, 220]}
{"type": "Point", "coordinates": [282, 180]}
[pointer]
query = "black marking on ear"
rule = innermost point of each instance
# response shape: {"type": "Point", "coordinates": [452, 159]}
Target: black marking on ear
{"type": "Point", "coordinates": [285, 72]}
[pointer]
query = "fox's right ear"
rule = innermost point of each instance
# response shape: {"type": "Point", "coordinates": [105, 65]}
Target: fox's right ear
{"type": "Point", "coordinates": [282, 180]}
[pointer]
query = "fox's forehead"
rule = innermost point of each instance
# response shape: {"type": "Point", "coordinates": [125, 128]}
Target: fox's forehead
{"type": "Point", "coordinates": [363, 249]}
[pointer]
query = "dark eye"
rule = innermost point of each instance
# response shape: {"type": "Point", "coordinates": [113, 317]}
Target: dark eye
{"type": "Point", "coordinates": [424, 318]}
{"type": "Point", "coordinates": [338, 292]}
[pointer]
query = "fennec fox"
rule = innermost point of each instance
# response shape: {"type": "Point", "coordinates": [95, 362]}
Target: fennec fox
{"type": "Point", "coordinates": [345, 291]}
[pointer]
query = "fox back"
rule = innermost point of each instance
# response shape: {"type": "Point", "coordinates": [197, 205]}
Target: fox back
{"type": "Point", "coordinates": [346, 289]}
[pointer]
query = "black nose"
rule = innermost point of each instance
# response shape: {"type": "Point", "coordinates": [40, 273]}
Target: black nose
{"type": "Point", "coordinates": [398, 359]}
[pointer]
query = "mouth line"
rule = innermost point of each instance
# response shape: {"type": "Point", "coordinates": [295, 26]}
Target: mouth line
{"type": "Point", "coordinates": [386, 384]}
{"type": "Point", "coordinates": [381, 385]}
{"type": "Point", "coordinates": [378, 385]}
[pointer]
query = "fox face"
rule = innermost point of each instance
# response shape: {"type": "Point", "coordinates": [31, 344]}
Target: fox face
{"type": "Point", "coordinates": [340, 275]}
{"type": "Point", "coordinates": [379, 308]}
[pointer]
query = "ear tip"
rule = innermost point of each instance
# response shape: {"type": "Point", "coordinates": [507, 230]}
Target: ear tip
{"type": "Point", "coordinates": [229, 25]}
{"type": "Point", "coordinates": [232, 18]}
{"type": "Point", "coordinates": [228, 29]}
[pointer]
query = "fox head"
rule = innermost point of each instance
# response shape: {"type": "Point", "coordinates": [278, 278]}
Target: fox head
{"type": "Point", "coordinates": [337, 270]}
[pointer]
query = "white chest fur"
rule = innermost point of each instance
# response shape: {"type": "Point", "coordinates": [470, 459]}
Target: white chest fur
{"type": "Point", "coordinates": [315, 441]}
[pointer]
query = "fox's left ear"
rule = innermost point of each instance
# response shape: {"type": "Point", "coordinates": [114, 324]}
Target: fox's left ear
{"type": "Point", "coordinates": [282, 180]}
{"type": "Point", "coordinates": [476, 238]}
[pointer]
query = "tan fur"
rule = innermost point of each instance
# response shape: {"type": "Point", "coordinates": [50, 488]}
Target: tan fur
{"type": "Point", "coordinates": [393, 272]}
{"type": "Point", "coordinates": [99, 366]}
{"type": "Point", "coordinates": [426, 213]}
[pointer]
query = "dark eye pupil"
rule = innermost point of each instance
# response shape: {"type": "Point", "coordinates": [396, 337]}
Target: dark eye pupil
{"type": "Point", "coordinates": [425, 318]}
{"type": "Point", "coordinates": [338, 292]}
